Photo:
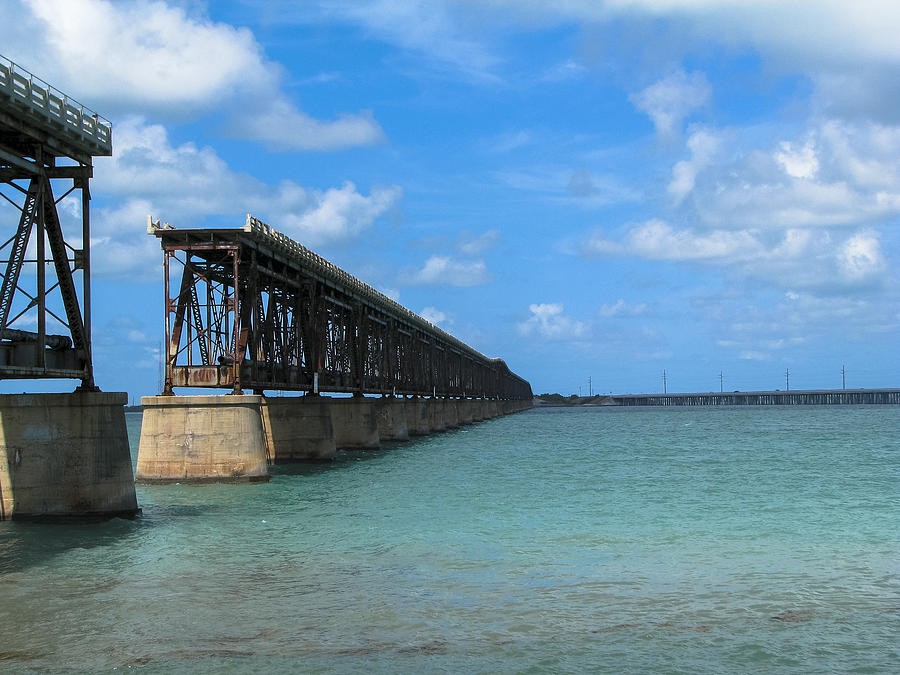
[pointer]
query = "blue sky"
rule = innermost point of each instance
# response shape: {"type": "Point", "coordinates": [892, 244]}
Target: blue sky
{"type": "Point", "coordinates": [587, 189]}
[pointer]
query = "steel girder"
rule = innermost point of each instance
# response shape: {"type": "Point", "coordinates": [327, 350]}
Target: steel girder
{"type": "Point", "coordinates": [250, 309]}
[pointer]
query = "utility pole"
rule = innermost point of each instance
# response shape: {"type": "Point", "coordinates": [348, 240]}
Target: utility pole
{"type": "Point", "coordinates": [787, 379]}
{"type": "Point", "coordinates": [664, 382]}
{"type": "Point", "coordinates": [843, 377]}
{"type": "Point", "coordinates": [590, 386]}
{"type": "Point", "coordinates": [721, 381]}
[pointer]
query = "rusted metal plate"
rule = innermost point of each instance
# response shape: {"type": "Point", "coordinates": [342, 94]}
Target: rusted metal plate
{"type": "Point", "coordinates": [202, 376]}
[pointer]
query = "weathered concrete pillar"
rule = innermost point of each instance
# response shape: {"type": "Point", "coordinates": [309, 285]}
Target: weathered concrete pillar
{"type": "Point", "coordinates": [298, 428]}
{"type": "Point", "coordinates": [490, 409]}
{"type": "Point", "coordinates": [65, 456]}
{"type": "Point", "coordinates": [417, 423]}
{"type": "Point", "coordinates": [478, 406]}
{"type": "Point", "coordinates": [354, 422]}
{"type": "Point", "coordinates": [436, 414]}
{"type": "Point", "coordinates": [196, 439]}
{"type": "Point", "coordinates": [451, 413]}
{"type": "Point", "coordinates": [392, 422]}
{"type": "Point", "coordinates": [464, 411]}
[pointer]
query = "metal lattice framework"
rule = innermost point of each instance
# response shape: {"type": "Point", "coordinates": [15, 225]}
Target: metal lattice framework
{"type": "Point", "coordinates": [46, 140]}
{"type": "Point", "coordinates": [254, 309]}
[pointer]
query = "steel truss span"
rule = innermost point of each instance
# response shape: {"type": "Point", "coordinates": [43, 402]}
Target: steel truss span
{"type": "Point", "coordinates": [250, 308]}
{"type": "Point", "coordinates": [47, 144]}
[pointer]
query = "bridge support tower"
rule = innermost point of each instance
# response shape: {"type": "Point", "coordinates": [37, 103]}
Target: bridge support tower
{"type": "Point", "coordinates": [62, 455]}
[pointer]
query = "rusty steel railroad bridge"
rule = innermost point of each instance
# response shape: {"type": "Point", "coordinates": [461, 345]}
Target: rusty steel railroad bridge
{"type": "Point", "coordinates": [246, 309]}
{"type": "Point", "coordinates": [249, 308]}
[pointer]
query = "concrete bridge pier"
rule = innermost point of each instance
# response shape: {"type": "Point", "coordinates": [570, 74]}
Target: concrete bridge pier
{"type": "Point", "coordinates": [451, 412]}
{"type": "Point", "coordinates": [417, 422]}
{"type": "Point", "coordinates": [515, 405]}
{"type": "Point", "coordinates": [65, 456]}
{"type": "Point", "coordinates": [490, 408]}
{"type": "Point", "coordinates": [354, 423]}
{"type": "Point", "coordinates": [298, 428]}
{"type": "Point", "coordinates": [465, 410]}
{"type": "Point", "coordinates": [436, 420]}
{"type": "Point", "coordinates": [391, 416]}
{"type": "Point", "coordinates": [477, 405]}
{"type": "Point", "coordinates": [196, 439]}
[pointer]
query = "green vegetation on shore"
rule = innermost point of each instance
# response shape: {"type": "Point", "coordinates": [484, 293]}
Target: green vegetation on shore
{"type": "Point", "coordinates": [573, 400]}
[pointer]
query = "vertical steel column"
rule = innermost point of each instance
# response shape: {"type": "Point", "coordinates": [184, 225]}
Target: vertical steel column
{"type": "Point", "coordinates": [167, 310]}
{"type": "Point", "coordinates": [234, 301]}
{"type": "Point", "coordinates": [86, 277]}
{"type": "Point", "coordinates": [41, 341]}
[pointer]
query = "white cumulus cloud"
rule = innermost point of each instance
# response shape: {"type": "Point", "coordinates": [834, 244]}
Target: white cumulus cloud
{"type": "Point", "coordinates": [448, 271]}
{"type": "Point", "coordinates": [669, 101]}
{"type": "Point", "coordinates": [835, 173]}
{"type": "Point", "coordinates": [337, 214]}
{"type": "Point", "coordinates": [657, 240]}
{"type": "Point", "coordinates": [860, 257]}
{"type": "Point", "coordinates": [548, 321]}
{"type": "Point", "coordinates": [141, 52]}
{"type": "Point", "coordinates": [703, 145]}
{"type": "Point", "coordinates": [810, 258]}
{"type": "Point", "coordinates": [433, 315]}
{"type": "Point", "coordinates": [185, 184]}
{"type": "Point", "coordinates": [284, 127]}
{"type": "Point", "coordinates": [799, 162]}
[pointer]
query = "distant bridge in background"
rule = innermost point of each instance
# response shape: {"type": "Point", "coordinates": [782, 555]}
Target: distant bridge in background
{"type": "Point", "coordinates": [790, 397]}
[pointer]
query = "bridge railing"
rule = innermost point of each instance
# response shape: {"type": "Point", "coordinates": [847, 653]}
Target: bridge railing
{"type": "Point", "coordinates": [351, 283]}
{"type": "Point", "coordinates": [45, 101]}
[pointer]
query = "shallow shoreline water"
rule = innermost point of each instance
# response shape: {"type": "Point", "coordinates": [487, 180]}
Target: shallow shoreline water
{"type": "Point", "coordinates": [556, 540]}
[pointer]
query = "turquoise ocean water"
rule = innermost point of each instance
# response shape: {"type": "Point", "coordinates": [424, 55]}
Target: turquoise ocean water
{"type": "Point", "coordinates": [556, 540]}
